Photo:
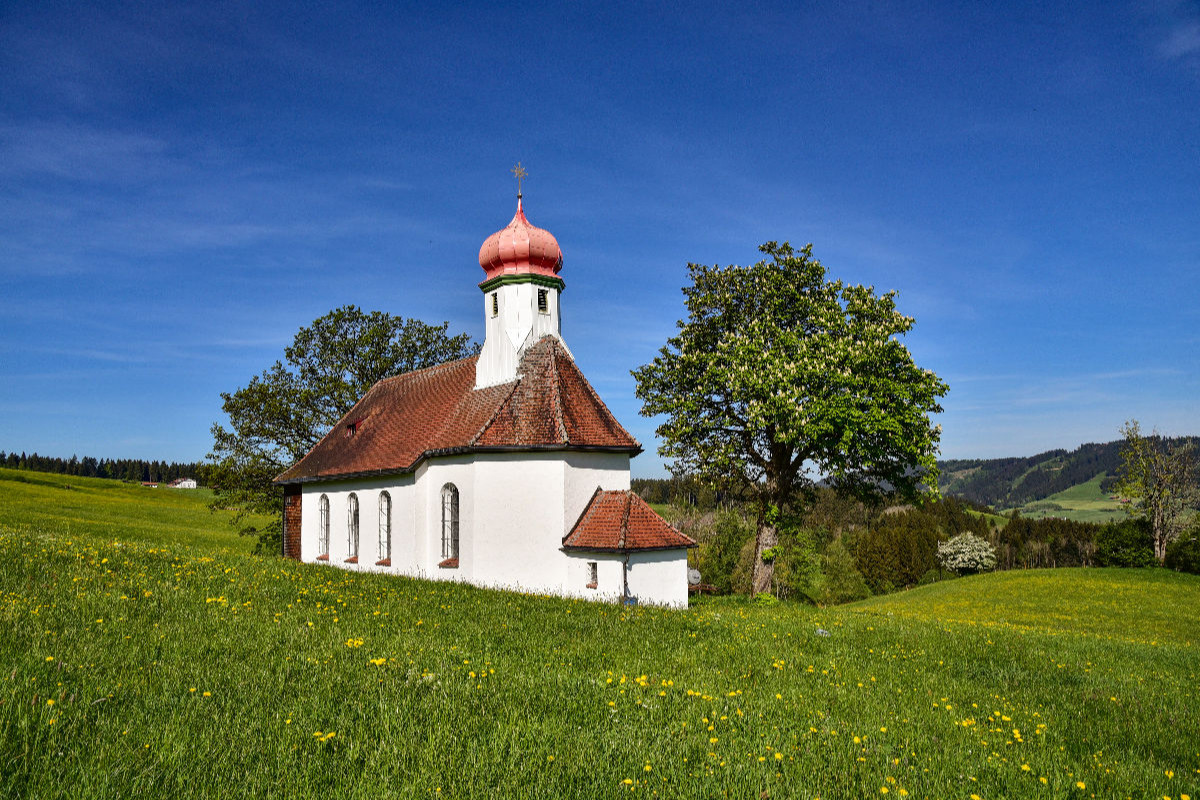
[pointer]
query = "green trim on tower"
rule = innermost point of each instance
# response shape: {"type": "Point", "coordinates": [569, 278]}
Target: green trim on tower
{"type": "Point", "coordinates": [525, 277]}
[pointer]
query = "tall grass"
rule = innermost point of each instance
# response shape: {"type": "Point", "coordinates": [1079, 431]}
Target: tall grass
{"type": "Point", "coordinates": [198, 670]}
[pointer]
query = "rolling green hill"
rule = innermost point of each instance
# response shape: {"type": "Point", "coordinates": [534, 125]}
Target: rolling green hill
{"type": "Point", "coordinates": [1006, 483]}
{"type": "Point", "coordinates": [147, 654]}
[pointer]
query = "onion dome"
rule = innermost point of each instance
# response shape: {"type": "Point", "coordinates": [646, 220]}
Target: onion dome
{"type": "Point", "coordinates": [520, 248]}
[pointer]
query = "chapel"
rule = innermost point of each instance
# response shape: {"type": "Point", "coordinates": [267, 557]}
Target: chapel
{"type": "Point", "coordinates": [503, 470]}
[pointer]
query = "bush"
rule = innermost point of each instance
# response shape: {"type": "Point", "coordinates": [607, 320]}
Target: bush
{"type": "Point", "coordinates": [720, 549]}
{"type": "Point", "coordinates": [1183, 554]}
{"type": "Point", "coordinates": [967, 554]}
{"type": "Point", "coordinates": [1129, 543]}
{"type": "Point", "coordinates": [797, 565]}
{"type": "Point", "coordinates": [935, 575]}
{"type": "Point", "coordinates": [840, 581]}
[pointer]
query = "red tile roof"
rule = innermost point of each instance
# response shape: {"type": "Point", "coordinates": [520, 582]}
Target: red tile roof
{"type": "Point", "coordinates": [403, 420]}
{"type": "Point", "coordinates": [621, 521]}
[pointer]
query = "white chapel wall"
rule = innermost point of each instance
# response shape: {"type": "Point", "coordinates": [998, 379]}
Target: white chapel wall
{"type": "Point", "coordinates": [582, 473]}
{"type": "Point", "coordinates": [400, 487]}
{"type": "Point", "coordinates": [659, 577]}
{"type": "Point", "coordinates": [518, 505]}
{"type": "Point", "coordinates": [514, 509]}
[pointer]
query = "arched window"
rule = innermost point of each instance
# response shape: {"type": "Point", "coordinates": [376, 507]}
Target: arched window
{"type": "Point", "coordinates": [352, 528]}
{"type": "Point", "coordinates": [450, 523]}
{"type": "Point", "coordinates": [323, 528]}
{"type": "Point", "coordinates": [385, 527]}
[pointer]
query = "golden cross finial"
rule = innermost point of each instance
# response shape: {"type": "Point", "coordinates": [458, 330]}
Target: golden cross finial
{"type": "Point", "coordinates": [520, 172]}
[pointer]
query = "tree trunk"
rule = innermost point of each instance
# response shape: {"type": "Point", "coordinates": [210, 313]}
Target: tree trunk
{"type": "Point", "coordinates": [766, 537]}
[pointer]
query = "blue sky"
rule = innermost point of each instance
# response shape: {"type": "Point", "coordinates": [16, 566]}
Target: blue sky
{"type": "Point", "coordinates": [183, 186]}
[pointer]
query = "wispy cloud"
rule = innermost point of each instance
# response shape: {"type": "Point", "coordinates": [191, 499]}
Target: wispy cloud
{"type": "Point", "coordinates": [1183, 40]}
{"type": "Point", "coordinates": [80, 153]}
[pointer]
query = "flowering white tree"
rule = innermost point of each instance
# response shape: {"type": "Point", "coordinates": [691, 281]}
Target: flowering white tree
{"type": "Point", "coordinates": [967, 554]}
{"type": "Point", "coordinates": [781, 378]}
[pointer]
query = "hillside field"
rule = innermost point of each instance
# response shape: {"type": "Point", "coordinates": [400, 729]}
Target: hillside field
{"type": "Point", "coordinates": [1083, 502]}
{"type": "Point", "coordinates": [147, 653]}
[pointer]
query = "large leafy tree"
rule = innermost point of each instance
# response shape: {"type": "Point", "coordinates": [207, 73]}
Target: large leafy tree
{"type": "Point", "coordinates": [282, 413]}
{"type": "Point", "coordinates": [1161, 479]}
{"type": "Point", "coordinates": [781, 379]}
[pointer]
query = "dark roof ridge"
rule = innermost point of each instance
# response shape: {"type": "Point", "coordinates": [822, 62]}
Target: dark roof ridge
{"type": "Point", "coordinates": [495, 411]}
{"type": "Point", "coordinates": [591, 503]}
{"type": "Point", "coordinates": [625, 519]}
{"type": "Point", "coordinates": [556, 395]}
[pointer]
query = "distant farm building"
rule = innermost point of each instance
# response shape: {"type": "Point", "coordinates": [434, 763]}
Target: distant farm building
{"type": "Point", "coordinates": [183, 483]}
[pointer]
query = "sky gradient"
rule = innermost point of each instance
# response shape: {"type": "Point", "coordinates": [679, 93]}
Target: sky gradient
{"type": "Point", "coordinates": [183, 186]}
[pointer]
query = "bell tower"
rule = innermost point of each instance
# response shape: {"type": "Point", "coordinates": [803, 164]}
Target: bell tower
{"type": "Point", "coordinates": [521, 293]}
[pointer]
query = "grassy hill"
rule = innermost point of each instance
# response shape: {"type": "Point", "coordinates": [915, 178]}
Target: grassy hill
{"type": "Point", "coordinates": [1084, 502]}
{"type": "Point", "coordinates": [49, 503]}
{"type": "Point", "coordinates": [1058, 483]}
{"type": "Point", "coordinates": [1007, 483]}
{"type": "Point", "coordinates": [178, 664]}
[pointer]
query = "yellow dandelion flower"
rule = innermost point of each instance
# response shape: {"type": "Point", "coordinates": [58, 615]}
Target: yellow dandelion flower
{"type": "Point", "coordinates": [1080, 784]}
{"type": "Point", "coordinates": [208, 694]}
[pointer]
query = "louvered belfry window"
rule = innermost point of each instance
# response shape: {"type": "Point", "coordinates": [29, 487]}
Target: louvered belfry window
{"type": "Point", "coordinates": [449, 521]}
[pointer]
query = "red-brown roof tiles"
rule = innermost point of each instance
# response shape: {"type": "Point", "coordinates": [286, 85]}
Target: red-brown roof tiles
{"type": "Point", "coordinates": [621, 521]}
{"type": "Point", "coordinates": [402, 420]}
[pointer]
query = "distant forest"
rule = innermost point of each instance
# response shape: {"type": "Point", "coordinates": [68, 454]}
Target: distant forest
{"type": "Point", "coordinates": [122, 469]}
{"type": "Point", "coordinates": [1013, 482]}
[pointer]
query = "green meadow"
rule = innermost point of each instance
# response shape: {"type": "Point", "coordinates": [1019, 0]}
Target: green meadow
{"type": "Point", "coordinates": [1083, 502]}
{"type": "Point", "coordinates": [145, 652]}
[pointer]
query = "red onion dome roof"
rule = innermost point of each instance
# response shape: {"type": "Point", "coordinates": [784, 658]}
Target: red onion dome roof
{"type": "Point", "coordinates": [519, 248]}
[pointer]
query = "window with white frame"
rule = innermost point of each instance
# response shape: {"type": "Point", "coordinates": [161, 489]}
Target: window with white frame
{"type": "Point", "coordinates": [543, 302]}
{"type": "Point", "coordinates": [323, 527]}
{"type": "Point", "coordinates": [385, 526]}
{"type": "Point", "coordinates": [352, 527]}
{"type": "Point", "coordinates": [449, 521]}
{"type": "Point", "coordinates": [593, 574]}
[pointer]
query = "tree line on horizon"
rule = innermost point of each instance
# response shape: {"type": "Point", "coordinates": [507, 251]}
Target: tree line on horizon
{"type": "Point", "coordinates": [122, 469]}
{"type": "Point", "coordinates": [1004, 483]}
